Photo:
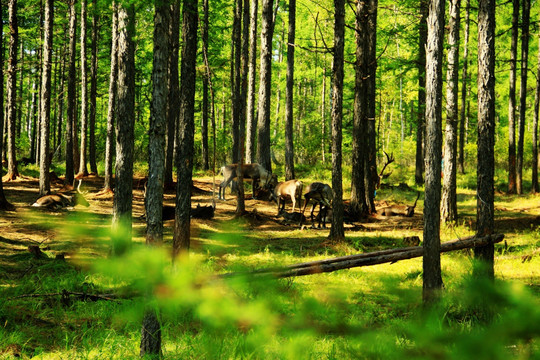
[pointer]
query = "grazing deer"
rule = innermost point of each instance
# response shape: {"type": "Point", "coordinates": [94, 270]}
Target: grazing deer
{"type": "Point", "coordinates": [62, 199]}
{"type": "Point", "coordinates": [321, 194]}
{"type": "Point", "coordinates": [291, 218]}
{"type": "Point", "coordinates": [284, 190]}
{"type": "Point", "coordinates": [399, 210]}
{"type": "Point", "coordinates": [259, 176]}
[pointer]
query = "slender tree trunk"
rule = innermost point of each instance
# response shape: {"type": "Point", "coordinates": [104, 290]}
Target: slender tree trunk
{"type": "Point", "coordinates": [33, 117]}
{"type": "Point", "coordinates": [486, 135]}
{"type": "Point", "coordinates": [337, 231]}
{"type": "Point", "coordinates": [173, 102]}
{"type": "Point", "coordinates": [449, 201]}
{"type": "Point", "coordinates": [93, 91]}
{"type": "Point", "coordinates": [184, 156]}
{"type": "Point", "coordinates": [323, 117]}
{"type": "Point", "coordinates": [83, 170]}
{"type": "Point", "coordinates": [12, 172]}
{"type": "Point", "coordinates": [44, 161]}
{"type": "Point", "coordinates": [71, 96]}
{"type": "Point", "coordinates": [204, 118]}
{"type": "Point", "coordinates": [265, 87]}
{"type": "Point", "coordinates": [125, 116]}
{"type": "Point", "coordinates": [464, 87]}
{"type": "Point", "coordinates": [61, 96]}
{"type": "Point", "coordinates": [109, 143]}
{"type": "Point", "coordinates": [235, 78]}
{"type": "Point", "coordinates": [432, 242]}
{"type": "Point", "coordinates": [535, 187]}
{"type": "Point", "coordinates": [420, 121]}
{"type": "Point", "coordinates": [289, 111]}
{"type": "Point", "coordinates": [512, 180]}
{"type": "Point", "coordinates": [250, 113]}
{"type": "Point", "coordinates": [525, 19]}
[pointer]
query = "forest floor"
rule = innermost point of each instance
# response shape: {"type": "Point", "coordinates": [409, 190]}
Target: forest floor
{"type": "Point", "coordinates": [260, 239]}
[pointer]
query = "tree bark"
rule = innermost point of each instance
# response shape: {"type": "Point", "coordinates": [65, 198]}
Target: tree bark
{"type": "Point", "coordinates": [289, 109]}
{"type": "Point", "coordinates": [337, 232]}
{"type": "Point", "coordinates": [265, 86]}
{"type": "Point", "coordinates": [525, 19]}
{"type": "Point", "coordinates": [83, 170]}
{"type": "Point", "coordinates": [12, 172]}
{"type": "Point", "coordinates": [205, 103]}
{"type": "Point", "coordinates": [420, 121]}
{"type": "Point", "coordinates": [449, 201]}
{"type": "Point", "coordinates": [93, 91]}
{"type": "Point", "coordinates": [432, 243]}
{"type": "Point", "coordinates": [236, 78]}
{"type": "Point", "coordinates": [184, 162]}
{"type": "Point", "coordinates": [251, 120]}
{"type": "Point", "coordinates": [512, 175]}
{"type": "Point", "coordinates": [173, 102]}
{"type": "Point", "coordinates": [464, 87]}
{"type": "Point", "coordinates": [486, 135]}
{"type": "Point", "coordinates": [125, 115]}
{"type": "Point", "coordinates": [71, 96]}
{"type": "Point", "coordinates": [150, 334]}
{"type": "Point", "coordinates": [109, 143]}
{"type": "Point", "coordinates": [44, 161]}
{"type": "Point", "coordinates": [535, 187]}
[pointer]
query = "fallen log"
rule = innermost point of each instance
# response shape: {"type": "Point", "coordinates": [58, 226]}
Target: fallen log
{"type": "Point", "coordinates": [366, 259]}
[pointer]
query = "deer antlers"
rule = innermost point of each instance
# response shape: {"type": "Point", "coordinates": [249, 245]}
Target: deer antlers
{"type": "Point", "coordinates": [389, 159]}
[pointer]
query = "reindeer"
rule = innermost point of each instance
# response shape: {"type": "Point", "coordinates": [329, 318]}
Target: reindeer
{"type": "Point", "coordinates": [289, 189]}
{"type": "Point", "coordinates": [399, 210]}
{"type": "Point", "coordinates": [389, 159]}
{"type": "Point", "coordinates": [291, 218]}
{"type": "Point", "coordinates": [62, 199]}
{"type": "Point", "coordinates": [257, 173]}
{"type": "Point", "coordinates": [321, 194]}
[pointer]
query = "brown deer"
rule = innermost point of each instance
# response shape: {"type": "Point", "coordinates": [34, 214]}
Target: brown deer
{"type": "Point", "coordinates": [291, 189]}
{"type": "Point", "coordinates": [62, 199]}
{"type": "Point", "coordinates": [321, 194]}
{"type": "Point", "coordinates": [259, 176]}
{"type": "Point", "coordinates": [399, 210]}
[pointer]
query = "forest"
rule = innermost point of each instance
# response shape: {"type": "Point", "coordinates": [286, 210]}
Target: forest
{"type": "Point", "coordinates": [283, 179]}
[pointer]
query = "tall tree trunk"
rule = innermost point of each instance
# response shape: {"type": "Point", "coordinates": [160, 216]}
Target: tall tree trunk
{"type": "Point", "coordinates": [173, 103]}
{"type": "Point", "coordinates": [323, 117]}
{"type": "Point", "coordinates": [12, 172]}
{"type": "Point", "coordinates": [251, 119]}
{"type": "Point", "coordinates": [184, 156]}
{"type": "Point", "coordinates": [464, 87]}
{"type": "Point", "coordinates": [432, 242]}
{"type": "Point", "coordinates": [337, 231]}
{"type": "Point", "coordinates": [83, 170]}
{"type": "Point", "coordinates": [512, 185]}
{"type": "Point", "coordinates": [44, 161]}
{"type": "Point", "coordinates": [486, 135]}
{"type": "Point", "coordinates": [449, 200]}
{"type": "Point", "coordinates": [421, 64]}
{"type": "Point", "coordinates": [265, 86]}
{"type": "Point", "coordinates": [235, 78]}
{"type": "Point", "coordinates": [204, 117]}
{"type": "Point", "coordinates": [61, 96]}
{"type": "Point", "coordinates": [109, 143]}
{"type": "Point", "coordinates": [21, 88]}
{"type": "Point", "coordinates": [33, 117]}
{"type": "Point", "coordinates": [71, 96]}
{"type": "Point", "coordinates": [525, 19]}
{"type": "Point", "coordinates": [535, 187]}
{"type": "Point", "coordinates": [4, 204]}
{"type": "Point", "coordinates": [359, 141]}
{"type": "Point", "coordinates": [289, 111]}
{"type": "Point", "coordinates": [93, 91]}
{"type": "Point", "coordinates": [151, 329]}
{"type": "Point", "coordinates": [125, 116]}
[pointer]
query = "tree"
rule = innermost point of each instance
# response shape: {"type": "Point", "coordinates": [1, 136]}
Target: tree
{"type": "Point", "coordinates": [337, 231]}
{"type": "Point", "coordinates": [289, 114]}
{"type": "Point", "coordinates": [512, 185]}
{"type": "Point", "coordinates": [109, 143]}
{"type": "Point", "coordinates": [12, 172]}
{"type": "Point", "coordinates": [421, 113]}
{"type": "Point", "coordinates": [71, 96]}
{"type": "Point", "coordinates": [93, 91]}
{"type": "Point", "coordinates": [449, 201]}
{"type": "Point", "coordinates": [83, 170]}
{"type": "Point", "coordinates": [184, 157]}
{"type": "Point", "coordinates": [44, 180]}
{"type": "Point", "coordinates": [251, 120]}
{"type": "Point", "coordinates": [265, 86]}
{"type": "Point", "coordinates": [432, 242]}
{"type": "Point", "coordinates": [236, 75]}
{"type": "Point", "coordinates": [464, 89]}
{"type": "Point", "coordinates": [535, 185]}
{"type": "Point", "coordinates": [205, 105]}
{"type": "Point", "coordinates": [486, 135]}
{"type": "Point", "coordinates": [523, 91]}
{"type": "Point", "coordinates": [125, 116]}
